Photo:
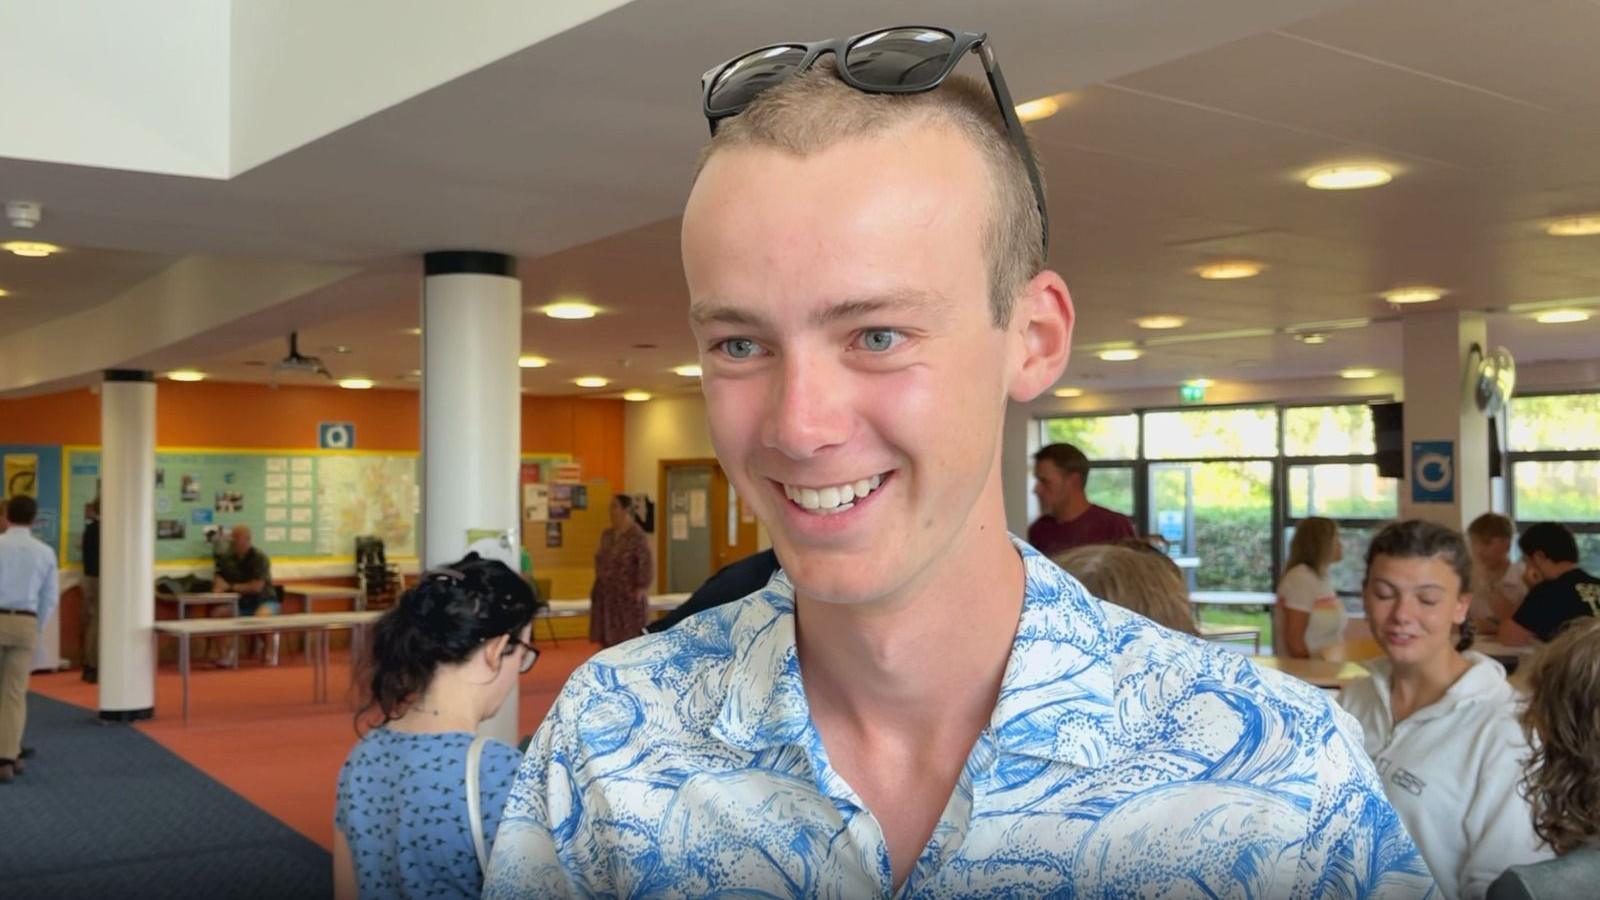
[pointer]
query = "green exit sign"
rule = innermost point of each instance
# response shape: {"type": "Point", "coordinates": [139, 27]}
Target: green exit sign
{"type": "Point", "coordinates": [1191, 393]}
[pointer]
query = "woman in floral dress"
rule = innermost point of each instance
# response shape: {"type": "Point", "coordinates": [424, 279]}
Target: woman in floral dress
{"type": "Point", "coordinates": [619, 605]}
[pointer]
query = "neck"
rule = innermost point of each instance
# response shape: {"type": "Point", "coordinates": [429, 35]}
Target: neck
{"type": "Point", "coordinates": [1559, 569]}
{"type": "Point", "coordinates": [1419, 685]}
{"type": "Point", "coordinates": [930, 658]}
{"type": "Point", "coordinates": [1075, 506]}
{"type": "Point", "coordinates": [447, 705]}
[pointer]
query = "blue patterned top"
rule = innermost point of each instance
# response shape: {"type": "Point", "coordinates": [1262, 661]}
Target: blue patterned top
{"type": "Point", "coordinates": [403, 808]}
{"type": "Point", "coordinates": [1122, 759]}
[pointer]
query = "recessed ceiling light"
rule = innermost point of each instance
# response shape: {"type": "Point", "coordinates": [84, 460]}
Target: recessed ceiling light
{"type": "Point", "coordinates": [1228, 270]}
{"type": "Point", "coordinates": [355, 384]}
{"type": "Point", "coordinates": [1574, 226]}
{"type": "Point", "coordinates": [1312, 339]}
{"type": "Point", "coordinates": [1120, 354]}
{"type": "Point", "coordinates": [1200, 382]}
{"type": "Point", "coordinates": [570, 309]}
{"type": "Point", "coordinates": [186, 375]}
{"type": "Point", "coordinates": [532, 362]}
{"type": "Point", "coordinates": [636, 396]}
{"type": "Point", "coordinates": [414, 332]}
{"type": "Point", "coordinates": [689, 371]}
{"type": "Point", "coordinates": [1068, 393]}
{"type": "Point", "coordinates": [1042, 108]}
{"type": "Point", "coordinates": [1416, 293]}
{"type": "Point", "coordinates": [1348, 178]}
{"type": "Point", "coordinates": [590, 381]}
{"type": "Point", "coordinates": [1561, 317]}
{"type": "Point", "coordinates": [29, 248]}
{"type": "Point", "coordinates": [1161, 323]}
{"type": "Point", "coordinates": [1358, 374]}
{"type": "Point", "coordinates": [4, 292]}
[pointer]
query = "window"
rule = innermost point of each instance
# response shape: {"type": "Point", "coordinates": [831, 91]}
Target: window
{"type": "Point", "coordinates": [1342, 491]}
{"type": "Point", "coordinates": [1113, 489]}
{"type": "Point", "coordinates": [1328, 431]}
{"type": "Point", "coordinates": [1207, 433]}
{"type": "Point", "coordinates": [1554, 466]}
{"type": "Point", "coordinates": [1099, 437]}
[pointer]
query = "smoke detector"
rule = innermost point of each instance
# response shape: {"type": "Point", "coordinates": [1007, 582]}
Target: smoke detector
{"type": "Point", "coordinates": [23, 213]}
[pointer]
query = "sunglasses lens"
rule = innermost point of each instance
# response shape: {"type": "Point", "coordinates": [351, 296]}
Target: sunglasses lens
{"type": "Point", "coordinates": [902, 58]}
{"type": "Point", "coordinates": [751, 74]}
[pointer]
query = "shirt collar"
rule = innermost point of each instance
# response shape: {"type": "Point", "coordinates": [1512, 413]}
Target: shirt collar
{"type": "Point", "coordinates": [1056, 697]}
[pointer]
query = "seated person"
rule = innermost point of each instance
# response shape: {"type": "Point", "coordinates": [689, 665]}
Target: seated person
{"type": "Point", "coordinates": [1440, 721]}
{"type": "Point", "coordinates": [734, 581]}
{"type": "Point", "coordinates": [1563, 774]}
{"type": "Point", "coordinates": [1560, 589]}
{"type": "Point", "coordinates": [1313, 616]}
{"type": "Point", "coordinates": [244, 570]}
{"type": "Point", "coordinates": [1145, 581]}
{"type": "Point", "coordinates": [1497, 582]}
{"type": "Point", "coordinates": [443, 661]}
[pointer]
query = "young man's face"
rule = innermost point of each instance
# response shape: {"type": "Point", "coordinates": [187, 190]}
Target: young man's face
{"type": "Point", "coordinates": [840, 302]}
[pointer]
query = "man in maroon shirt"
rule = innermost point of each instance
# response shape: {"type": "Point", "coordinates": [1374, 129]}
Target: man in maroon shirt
{"type": "Point", "coordinates": [1061, 472]}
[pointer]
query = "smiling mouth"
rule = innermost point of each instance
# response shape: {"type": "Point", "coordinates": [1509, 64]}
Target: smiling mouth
{"type": "Point", "coordinates": [833, 499]}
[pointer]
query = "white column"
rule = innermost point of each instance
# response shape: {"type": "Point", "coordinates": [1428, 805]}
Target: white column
{"type": "Point", "coordinates": [1441, 415]}
{"type": "Point", "coordinates": [471, 412]}
{"type": "Point", "coordinates": [127, 545]}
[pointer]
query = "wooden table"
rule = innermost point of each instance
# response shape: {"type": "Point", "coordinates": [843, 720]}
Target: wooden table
{"type": "Point", "coordinates": [206, 598]}
{"type": "Point", "coordinates": [316, 627]}
{"type": "Point", "coordinates": [571, 609]}
{"type": "Point", "coordinates": [1320, 672]}
{"type": "Point", "coordinates": [1230, 632]}
{"type": "Point", "coordinates": [315, 592]}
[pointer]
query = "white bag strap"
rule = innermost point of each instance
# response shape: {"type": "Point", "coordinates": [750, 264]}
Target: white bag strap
{"type": "Point", "coordinates": [474, 804]}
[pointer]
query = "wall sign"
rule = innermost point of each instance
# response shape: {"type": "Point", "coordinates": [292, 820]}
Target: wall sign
{"type": "Point", "coordinates": [336, 435]}
{"type": "Point", "coordinates": [1433, 472]}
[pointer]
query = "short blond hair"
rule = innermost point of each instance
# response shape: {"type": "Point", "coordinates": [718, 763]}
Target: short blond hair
{"type": "Point", "coordinates": [815, 110]}
{"type": "Point", "coordinates": [1140, 580]}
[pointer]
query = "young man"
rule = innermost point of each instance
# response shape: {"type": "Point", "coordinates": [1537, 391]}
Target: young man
{"type": "Point", "coordinates": [1060, 476]}
{"type": "Point", "coordinates": [1497, 582]}
{"type": "Point", "coordinates": [917, 705]}
{"type": "Point", "coordinates": [28, 596]}
{"type": "Point", "coordinates": [1560, 590]}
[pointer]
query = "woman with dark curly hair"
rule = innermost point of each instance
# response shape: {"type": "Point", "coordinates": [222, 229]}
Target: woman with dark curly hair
{"type": "Point", "coordinates": [1562, 781]}
{"type": "Point", "coordinates": [442, 661]}
{"type": "Point", "coordinates": [1439, 720]}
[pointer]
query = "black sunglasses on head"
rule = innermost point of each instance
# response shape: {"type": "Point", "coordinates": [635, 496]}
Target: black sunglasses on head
{"type": "Point", "coordinates": [908, 59]}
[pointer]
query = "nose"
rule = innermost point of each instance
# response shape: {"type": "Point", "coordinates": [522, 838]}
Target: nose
{"type": "Point", "coordinates": [811, 409]}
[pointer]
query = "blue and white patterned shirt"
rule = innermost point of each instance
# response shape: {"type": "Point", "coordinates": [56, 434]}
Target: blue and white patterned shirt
{"type": "Point", "coordinates": [1121, 760]}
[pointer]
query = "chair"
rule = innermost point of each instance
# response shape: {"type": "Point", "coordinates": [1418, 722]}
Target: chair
{"type": "Point", "coordinates": [378, 579]}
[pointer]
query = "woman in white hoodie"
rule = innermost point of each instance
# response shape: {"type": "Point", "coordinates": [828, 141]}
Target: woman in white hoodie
{"type": "Point", "coordinates": [1440, 722]}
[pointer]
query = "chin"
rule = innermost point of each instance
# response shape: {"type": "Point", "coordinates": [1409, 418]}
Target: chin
{"type": "Point", "coordinates": [836, 579]}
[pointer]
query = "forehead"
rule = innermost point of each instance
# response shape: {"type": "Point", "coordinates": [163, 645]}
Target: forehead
{"type": "Point", "coordinates": [892, 213]}
{"type": "Point", "coordinates": [1416, 571]}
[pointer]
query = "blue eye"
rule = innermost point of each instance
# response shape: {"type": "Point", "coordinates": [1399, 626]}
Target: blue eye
{"type": "Point", "coordinates": [740, 348]}
{"type": "Point", "coordinates": [878, 340]}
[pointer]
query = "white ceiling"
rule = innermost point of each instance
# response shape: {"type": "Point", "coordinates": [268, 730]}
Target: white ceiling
{"type": "Point", "coordinates": [1184, 138]}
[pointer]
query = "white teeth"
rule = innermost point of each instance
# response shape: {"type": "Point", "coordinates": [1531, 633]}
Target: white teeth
{"type": "Point", "coordinates": [835, 499]}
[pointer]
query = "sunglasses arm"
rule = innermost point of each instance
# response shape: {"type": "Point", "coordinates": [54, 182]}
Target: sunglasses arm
{"type": "Point", "coordinates": [1008, 110]}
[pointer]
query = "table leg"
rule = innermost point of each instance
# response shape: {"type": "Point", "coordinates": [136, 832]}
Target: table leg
{"type": "Point", "coordinates": [1258, 642]}
{"type": "Point", "coordinates": [183, 672]}
{"type": "Point", "coordinates": [235, 605]}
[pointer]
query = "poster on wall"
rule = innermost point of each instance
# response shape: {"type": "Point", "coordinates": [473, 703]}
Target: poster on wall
{"type": "Point", "coordinates": [536, 502]}
{"type": "Point", "coordinates": [560, 502]}
{"type": "Point", "coordinates": [22, 475]}
{"type": "Point", "coordinates": [170, 529]}
{"type": "Point", "coordinates": [680, 526]}
{"type": "Point", "coordinates": [552, 535]}
{"type": "Point", "coordinates": [189, 488]}
{"type": "Point", "coordinates": [580, 496]}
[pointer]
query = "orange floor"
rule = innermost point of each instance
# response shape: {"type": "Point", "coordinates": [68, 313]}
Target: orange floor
{"type": "Point", "coordinates": [257, 731]}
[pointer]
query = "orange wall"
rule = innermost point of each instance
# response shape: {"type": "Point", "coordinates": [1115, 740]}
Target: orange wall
{"type": "Point", "coordinates": [215, 414]}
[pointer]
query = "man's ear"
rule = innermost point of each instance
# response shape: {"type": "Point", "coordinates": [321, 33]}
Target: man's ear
{"type": "Point", "coordinates": [1042, 320]}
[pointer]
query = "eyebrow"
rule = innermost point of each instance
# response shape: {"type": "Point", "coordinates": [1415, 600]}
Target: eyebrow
{"type": "Point", "coordinates": [714, 312]}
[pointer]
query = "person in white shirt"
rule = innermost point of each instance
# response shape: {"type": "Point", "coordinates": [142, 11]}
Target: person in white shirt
{"type": "Point", "coordinates": [1313, 616]}
{"type": "Point", "coordinates": [1498, 584]}
{"type": "Point", "coordinates": [28, 580]}
{"type": "Point", "coordinates": [1440, 722]}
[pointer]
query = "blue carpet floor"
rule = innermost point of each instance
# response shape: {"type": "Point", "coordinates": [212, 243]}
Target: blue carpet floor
{"type": "Point", "coordinates": [104, 811]}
